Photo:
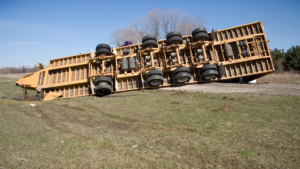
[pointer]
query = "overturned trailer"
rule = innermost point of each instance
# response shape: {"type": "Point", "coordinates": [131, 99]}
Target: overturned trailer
{"type": "Point", "coordinates": [223, 55]}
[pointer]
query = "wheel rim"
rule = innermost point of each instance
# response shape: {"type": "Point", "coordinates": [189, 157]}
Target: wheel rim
{"type": "Point", "coordinates": [155, 82]}
{"type": "Point", "coordinates": [182, 80]}
{"type": "Point", "coordinates": [208, 77]}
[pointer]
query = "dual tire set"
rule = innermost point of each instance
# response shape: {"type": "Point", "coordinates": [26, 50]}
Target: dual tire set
{"type": "Point", "coordinates": [151, 41]}
{"type": "Point", "coordinates": [175, 38]}
{"type": "Point", "coordinates": [182, 75]}
{"type": "Point", "coordinates": [103, 86]}
{"type": "Point", "coordinates": [172, 38]}
{"type": "Point", "coordinates": [103, 49]}
{"type": "Point", "coordinates": [155, 78]}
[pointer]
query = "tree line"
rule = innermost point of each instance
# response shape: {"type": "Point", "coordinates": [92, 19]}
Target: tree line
{"type": "Point", "coordinates": [20, 69]}
{"type": "Point", "coordinates": [286, 61]}
{"type": "Point", "coordinates": [158, 23]}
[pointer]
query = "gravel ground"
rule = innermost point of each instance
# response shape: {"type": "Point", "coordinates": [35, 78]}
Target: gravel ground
{"type": "Point", "coordinates": [269, 89]}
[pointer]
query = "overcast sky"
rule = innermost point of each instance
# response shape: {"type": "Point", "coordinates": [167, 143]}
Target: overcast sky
{"type": "Point", "coordinates": [37, 31]}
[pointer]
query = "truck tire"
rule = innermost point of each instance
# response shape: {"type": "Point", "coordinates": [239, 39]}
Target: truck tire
{"type": "Point", "coordinates": [209, 74]}
{"type": "Point", "coordinates": [103, 79]}
{"type": "Point", "coordinates": [175, 33]}
{"type": "Point", "coordinates": [208, 66]}
{"type": "Point", "coordinates": [181, 69]}
{"type": "Point", "coordinates": [103, 45]}
{"type": "Point", "coordinates": [148, 37]}
{"type": "Point", "coordinates": [182, 77]}
{"type": "Point", "coordinates": [155, 80]}
{"type": "Point", "coordinates": [175, 39]}
{"type": "Point", "coordinates": [103, 89]}
{"type": "Point", "coordinates": [154, 72]}
{"type": "Point", "coordinates": [200, 36]}
{"type": "Point", "coordinates": [149, 43]}
{"type": "Point", "coordinates": [195, 31]}
{"type": "Point", "coordinates": [104, 51]}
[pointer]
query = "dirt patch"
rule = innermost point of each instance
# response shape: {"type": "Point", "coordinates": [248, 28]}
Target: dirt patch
{"type": "Point", "coordinates": [28, 98]}
{"type": "Point", "coordinates": [108, 96]}
{"type": "Point", "coordinates": [74, 108]}
{"type": "Point", "coordinates": [174, 102]}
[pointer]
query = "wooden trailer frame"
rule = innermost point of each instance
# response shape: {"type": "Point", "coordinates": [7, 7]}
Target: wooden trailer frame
{"type": "Point", "coordinates": [74, 76]}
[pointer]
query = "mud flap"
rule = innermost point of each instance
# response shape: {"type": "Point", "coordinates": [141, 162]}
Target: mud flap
{"type": "Point", "coordinates": [221, 71]}
{"type": "Point", "coordinates": [39, 89]}
{"type": "Point", "coordinates": [52, 95]}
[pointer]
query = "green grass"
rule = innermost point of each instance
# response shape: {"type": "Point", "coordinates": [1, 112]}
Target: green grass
{"type": "Point", "coordinates": [172, 129]}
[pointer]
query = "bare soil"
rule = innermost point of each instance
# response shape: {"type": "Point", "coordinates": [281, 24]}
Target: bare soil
{"type": "Point", "coordinates": [27, 98]}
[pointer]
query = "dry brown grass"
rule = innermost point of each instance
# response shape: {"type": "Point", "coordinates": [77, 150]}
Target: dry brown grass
{"type": "Point", "coordinates": [150, 129]}
{"type": "Point", "coordinates": [281, 78]}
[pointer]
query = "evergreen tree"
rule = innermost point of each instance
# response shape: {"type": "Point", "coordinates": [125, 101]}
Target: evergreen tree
{"type": "Point", "coordinates": [293, 58]}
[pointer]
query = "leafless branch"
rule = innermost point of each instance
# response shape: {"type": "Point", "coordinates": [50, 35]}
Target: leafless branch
{"type": "Point", "coordinates": [158, 23]}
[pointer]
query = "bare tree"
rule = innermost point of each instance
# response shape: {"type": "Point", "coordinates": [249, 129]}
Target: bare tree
{"type": "Point", "coordinates": [116, 37]}
{"type": "Point", "coordinates": [169, 21]}
{"type": "Point", "coordinates": [129, 33]}
{"type": "Point", "coordinates": [140, 28]}
{"type": "Point", "coordinates": [153, 22]}
{"type": "Point", "coordinates": [158, 23]}
{"type": "Point", "coordinates": [188, 24]}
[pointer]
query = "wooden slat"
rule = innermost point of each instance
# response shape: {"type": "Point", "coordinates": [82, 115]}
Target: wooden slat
{"type": "Point", "coordinates": [76, 91]}
{"type": "Point", "coordinates": [86, 90]}
{"type": "Point", "coordinates": [73, 75]}
{"type": "Point", "coordinates": [71, 91]}
{"type": "Point", "coordinates": [66, 92]}
{"type": "Point", "coordinates": [54, 78]}
{"type": "Point", "coordinates": [124, 84]}
{"type": "Point", "coordinates": [58, 76]}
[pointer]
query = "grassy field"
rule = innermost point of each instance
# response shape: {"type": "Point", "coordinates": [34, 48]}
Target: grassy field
{"type": "Point", "coordinates": [149, 129]}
